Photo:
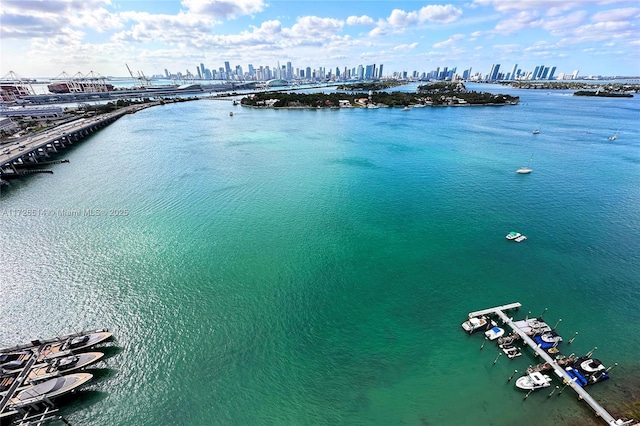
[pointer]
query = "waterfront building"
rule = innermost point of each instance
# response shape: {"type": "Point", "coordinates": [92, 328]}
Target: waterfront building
{"type": "Point", "coordinates": [493, 75]}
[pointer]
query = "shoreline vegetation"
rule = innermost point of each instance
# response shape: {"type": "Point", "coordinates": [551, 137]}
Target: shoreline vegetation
{"type": "Point", "coordinates": [611, 90]}
{"type": "Point", "coordinates": [349, 96]}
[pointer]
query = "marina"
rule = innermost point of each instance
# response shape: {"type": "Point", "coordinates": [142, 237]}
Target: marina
{"type": "Point", "coordinates": [33, 374]}
{"type": "Point", "coordinates": [543, 340]}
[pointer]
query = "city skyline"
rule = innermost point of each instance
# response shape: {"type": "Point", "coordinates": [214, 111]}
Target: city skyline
{"type": "Point", "coordinates": [43, 39]}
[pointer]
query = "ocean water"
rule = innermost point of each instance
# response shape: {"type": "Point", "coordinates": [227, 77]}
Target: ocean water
{"type": "Point", "coordinates": [310, 267]}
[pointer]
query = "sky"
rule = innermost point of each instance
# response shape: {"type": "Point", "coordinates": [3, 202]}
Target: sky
{"type": "Point", "coordinates": [44, 38]}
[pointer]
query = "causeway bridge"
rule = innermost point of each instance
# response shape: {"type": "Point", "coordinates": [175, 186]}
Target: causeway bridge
{"type": "Point", "coordinates": [20, 158]}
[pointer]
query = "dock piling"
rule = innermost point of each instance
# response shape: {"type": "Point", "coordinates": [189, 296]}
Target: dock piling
{"type": "Point", "coordinates": [485, 341]}
{"type": "Point", "coordinates": [511, 376]}
{"type": "Point", "coordinates": [556, 326]}
{"type": "Point", "coordinates": [591, 352]}
{"type": "Point", "coordinates": [565, 385]}
{"type": "Point", "coordinates": [542, 314]}
{"type": "Point", "coordinates": [556, 388]}
{"type": "Point", "coordinates": [571, 340]}
{"type": "Point", "coordinates": [615, 364]}
{"type": "Point", "coordinates": [496, 360]}
{"type": "Point", "coordinates": [528, 393]}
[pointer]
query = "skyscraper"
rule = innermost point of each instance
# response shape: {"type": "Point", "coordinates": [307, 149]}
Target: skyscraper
{"type": "Point", "coordinates": [493, 75]}
{"type": "Point", "coordinates": [513, 73]}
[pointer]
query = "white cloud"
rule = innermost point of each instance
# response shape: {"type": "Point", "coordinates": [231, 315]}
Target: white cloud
{"type": "Point", "coordinates": [432, 13]}
{"type": "Point", "coordinates": [517, 22]}
{"type": "Point", "coordinates": [554, 6]}
{"type": "Point", "coordinates": [449, 42]}
{"type": "Point", "coordinates": [400, 18]}
{"type": "Point", "coordinates": [224, 9]}
{"type": "Point", "coordinates": [360, 20]}
{"type": "Point", "coordinates": [626, 14]}
{"type": "Point", "coordinates": [34, 19]}
{"type": "Point", "coordinates": [315, 27]}
{"type": "Point", "coordinates": [438, 13]}
{"type": "Point", "coordinates": [405, 47]}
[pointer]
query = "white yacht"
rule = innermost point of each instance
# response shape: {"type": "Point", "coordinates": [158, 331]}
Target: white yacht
{"type": "Point", "coordinates": [513, 235]}
{"type": "Point", "coordinates": [475, 323]}
{"type": "Point", "coordinates": [532, 381]}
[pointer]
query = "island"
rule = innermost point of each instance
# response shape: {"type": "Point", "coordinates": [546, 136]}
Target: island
{"type": "Point", "coordinates": [602, 94]}
{"type": "Point", "coordinates": [433, 94]}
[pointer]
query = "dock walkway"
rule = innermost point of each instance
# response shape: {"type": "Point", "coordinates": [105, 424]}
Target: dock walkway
{"type": "Point", "coordinates": [561, 372]}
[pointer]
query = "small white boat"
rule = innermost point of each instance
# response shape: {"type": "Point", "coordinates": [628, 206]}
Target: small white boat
{"type": "Point", "coordinates": [513, 235]}
{"type": "Point", "coordinates": [520, 239]}
{"type": "Point", "coordinates": [527, 169]}
{"type": "Point", "coordinates": [613, 137]}
{"type": "Point", "coordinates": [406, 108]}
{"type": "Point", "coordinates": [511, 351]}
{"type": "Point", "coordinates": [494, 333]}
{"type": "Point", "coordinates": [536, 131]}
{"type": "Point", "coordinates": [475, 323]}
{"type": "Point", "coordinates": [50, 389]}
{"type": "Point", "coordinates": [533, 381]}
{"type": "Point", "coordinates": [592, 365]}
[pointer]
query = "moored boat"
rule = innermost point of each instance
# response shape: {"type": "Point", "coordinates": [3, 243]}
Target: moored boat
{"type": "Point", "coordinates": [512, 235]}
{"type": "Point", "coordinates": [73, 344]}
{"type": "Point", "coordinates": [50, 389]}
{"type": "Point", "coordinates": [475, 324]}
{"type": "Point", "coordinates": [63, 365]}
{"type": "Point", "coordinates": [533, 381]}
{"type": "Point", "coordinates": [494, 333]}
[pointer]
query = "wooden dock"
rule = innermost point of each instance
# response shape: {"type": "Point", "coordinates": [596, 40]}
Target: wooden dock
{"type": "Point", "coordinates": [560, 372]}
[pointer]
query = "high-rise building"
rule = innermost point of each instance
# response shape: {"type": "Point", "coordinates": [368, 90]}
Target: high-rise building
{"type": "Point", "coordinates": [513, 72]}
{"type": "Point", "coordinates": [534, 76]}
{"type": "Point", "coordinates": [545, 73]}
{"type": "Point", "coordinates": [380, 71]}
{"type": "Point", "coordinates": [553, 71]}
{"type": "Point", "coordinates": [493, 75]}
{"type": "Point", "coordinates": [289, 71]}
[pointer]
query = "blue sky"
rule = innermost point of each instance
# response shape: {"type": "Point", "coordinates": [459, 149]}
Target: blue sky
{"type": "Point", "coordinates": [43, 38]}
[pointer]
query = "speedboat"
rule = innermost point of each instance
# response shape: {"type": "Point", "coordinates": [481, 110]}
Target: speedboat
{"type": "Point", "coordinates": [533, 381]}
{"type": "Point", "coordinates": [475, 324]}
{"type": "Point", "coordinates": [548, 339]}
{"type": "Point", "coordinates": [511, 351]}
{"type": "Point", "coordinates": [536, 131]}
{"type": "Point", "coordinates": [591, 365]}
{"type": "Point", "coordinates": [50, 389]}
{"type": "Point", "coordinates": [592, 370]}
{"type": "Point", "coordinates": [62, 365]}
{"type": "Point", "coordinates": [520, 239]}
{"type": "Point", "coordinates": [73, 344]}
{"type": "Point", "coordinates": [513, 235]}
{"type": "Point", "coordinates": [524, 170]}
{"type": "Point", "coordinates": [494, 333]}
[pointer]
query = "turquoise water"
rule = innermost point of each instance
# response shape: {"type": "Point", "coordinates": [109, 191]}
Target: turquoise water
{"type": "Point", "coordinates": [313, 267]}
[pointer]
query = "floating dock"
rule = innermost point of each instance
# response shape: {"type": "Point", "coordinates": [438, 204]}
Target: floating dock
{"type": "Point", "coordinates": [599, 411]}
